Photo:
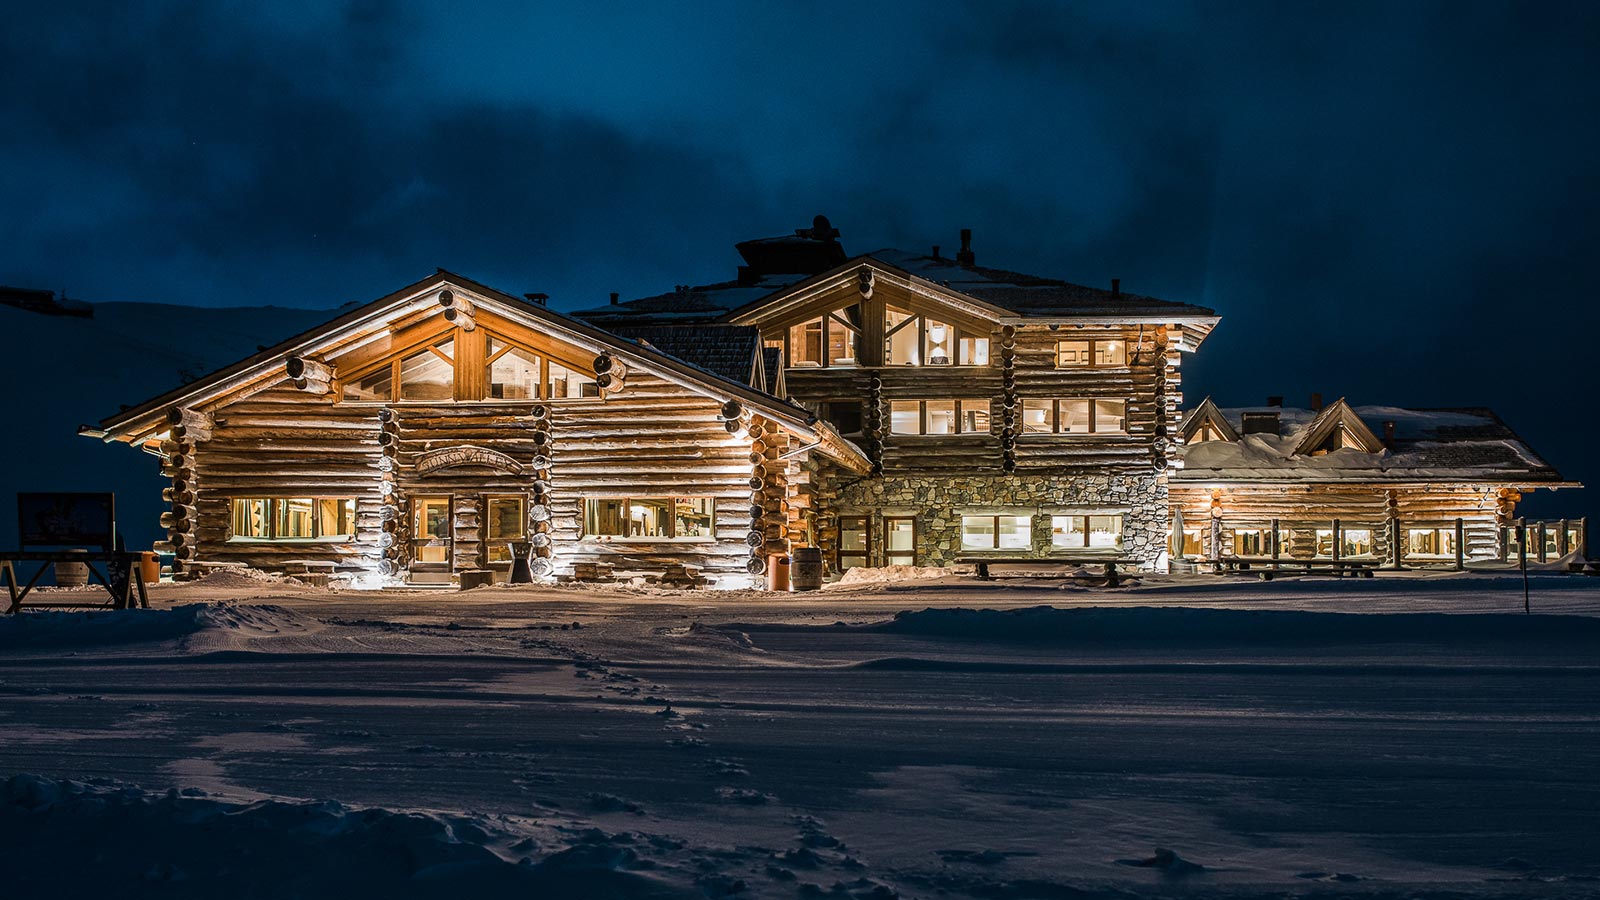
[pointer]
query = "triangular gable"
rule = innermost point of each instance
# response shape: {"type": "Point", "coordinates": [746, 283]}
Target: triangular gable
{"type": "Point", "coordinates": [268, 366]}
{"type": "Point", "coordinates": [1207, 414]}
{"type": "Point", "coordinates": [857, 271]}
{"type": "Point", "coordinates": [1335, 417]}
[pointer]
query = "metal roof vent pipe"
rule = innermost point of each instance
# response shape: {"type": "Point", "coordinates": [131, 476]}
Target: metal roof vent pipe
{"type": "Point", "coordinates": [1316, 402]}
{"type": "Point", "coordinates": [1275, 401]}
{"type": "Point", "coordinates": [538, 299]}
{"type": "Point", "coordinates": [1388, 434]}
{"type": "Point", "coordinates": [614, 296]}
{"type": "Point", "coordinates": [965, 256]}
{"type": "Point", "coordinates": [1116, 287]}
{"type": "Point", "coordinates": [936, 252]}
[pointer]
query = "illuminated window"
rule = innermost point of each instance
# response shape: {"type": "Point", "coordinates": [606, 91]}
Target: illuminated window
{"type": "Point", "coordinates": [507, 522]}
{"type": "Point", "coordinates": [1355, 542]}
{"type": "Point", "coordinates": [913, 340]}
{"type": "Point", "coordinates": [1100, 354]}
{"type": "Point", "coordinates": [939, 417]}
{"type": "Point", "coordinates": [1431, 541]}
{"type": "Point", "coordinates": [996, 532]}
{"type": "Point", "coordinates": [1074, 416]}
{"type": "Point", "coordinates": [829, 340]}
{"type": "Point", "coordinates": [513, 372]}
{"type": "Point", "coordinates": [805, 344]}
{"type": "Point", "coordinates": [1086, 532]}
{"type": "Point", "coordinates": [429, 374]}
{"type": "Point", "coordinates": [569, 384]}
{"type": "Point", "coordinates": [650, 518]}
{"type": "Point", "coordinates": [289, 519]}
{"type": "Point", "coordinates": [1258, 542]}
{"type": "Point", "coordinates": [376, 385]}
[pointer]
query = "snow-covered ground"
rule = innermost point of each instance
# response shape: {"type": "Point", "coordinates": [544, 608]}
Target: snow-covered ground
{"type": "Point", "coordinates": [1400, 737]}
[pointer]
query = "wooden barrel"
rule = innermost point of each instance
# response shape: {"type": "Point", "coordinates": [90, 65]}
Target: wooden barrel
{"type": "Point", "coordinates": [806, 570]}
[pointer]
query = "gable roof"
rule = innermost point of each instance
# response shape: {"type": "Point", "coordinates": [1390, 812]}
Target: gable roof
{"type": "Point", "coordinates": [1467, 444]}
{"type": "Point", "coordinates": [730, 351]}
{"type": "Point", "coordinates": [149, 417]}
{"type": "Point", "coordinates": [1335, 416]}
{"type": "Point", "coordinates": [1207, 413]}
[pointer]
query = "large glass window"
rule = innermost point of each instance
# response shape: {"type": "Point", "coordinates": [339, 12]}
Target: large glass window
{"type": "Point", "coordinates": [569, 384]}
{"type": "Point", "coordinates": [913, 340]}
{"type": "Point", "coordinates": [1097, 353]}
{"type": "Point", "coordinates": [939, 417]}
{"type": "Point", "coordinates": [513, 372]}
{"type": "Point", "coordinates": [1086, 532]}
{"type": "Point", "coordinates": [805, 344]}
{"type": "Point", "coordinates": [855, 541]}
{"type": "Point", "coordinates": [650, 518]}
{"type": "Point", "coordinates": [293, 518]}
{"type": "Point", "coordinates": [997, 532]}
{"type": "Point", "coordinates": [829, 340]}
{"type": "Point", "coordinates": [377, 385]}
{"type": "Point", "coordinates": [1355, 542]}
{"type": "Point", "coordinates": [1258, 542]}
{"type": "Point", "coordinates": [429, 374]}
{"type": "Point", "coordinates": [1074, 416]}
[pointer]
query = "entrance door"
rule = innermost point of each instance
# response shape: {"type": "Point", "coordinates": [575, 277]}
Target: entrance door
{"type": "Point", "coordinates": [855, 542]}
{"type": "Point", "coordinates": [430, 539]}
{"type": "Point", "coordinates": [900, 541]}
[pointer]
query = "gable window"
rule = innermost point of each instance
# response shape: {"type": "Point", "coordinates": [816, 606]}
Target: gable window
{"type": "Point", "coordinates": [650, 518]}
{"type": "Point", "coordinates": [1206, 432]}
{"type": "Point", "coordinates": [375, 385]}
{"type": "Point", "coordinates": [1074, 416]}
{"type": "Point", "coordinates": [507, 522]}
{"type": "Point", "coordinates": [513, 372]}
{"type": "Point", "coordinates": [914, 340]}
{"type": "Point", "coordinates": [829, 340]}
{"type": "Point", "coordinates": [430, 373]}
{"type": "Point", "coordinates": [1105, 354]}
{"type": "Point", "coordinates": [569, 384]}
{"type": "Point", "coordinates": [1086, 532]}
{"type": "Point", "coordinates": [996, 532]}
{"type": "Point", "coordinates": [939, 417]}
{"type": "Point", "coordinates": [289, 519]}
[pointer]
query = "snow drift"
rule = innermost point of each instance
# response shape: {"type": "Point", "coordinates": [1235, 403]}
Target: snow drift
{"type": "Point", "coordinates": [132, 626]}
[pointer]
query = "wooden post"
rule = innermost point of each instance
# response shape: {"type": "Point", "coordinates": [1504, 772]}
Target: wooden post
{"type": "Point", "coordinates": [1395, 548]}
{"type": "Point", "coordinates": [1276, 545]}
{"type": "Point", "coordinates": [1336, 547]}
{"type": "Point", "coordinates": [1461, 547]}
{"type": "Point", "coordinates": [1583, 538]}
{"type": "Point", "coordinates": [1541, 538]}
{"type": "Point", "coordinates": [1563, 545]}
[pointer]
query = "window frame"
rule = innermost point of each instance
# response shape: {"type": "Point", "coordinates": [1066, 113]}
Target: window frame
{"type": "Point", "coordinates": [489, 502]}
{"type": "Point", "coordinates": [919, 321]}
{"type": "Point", "coordinates": [272, 515]}
{"type": "Point", "coordinates": [672, 521]}
{"type": "Point", "coordinates": [1086, 519]}
{"type": "Point", "coordinates": [825, 324]}
{"type": "Point", "coordinates": [1093, 353]}
{"type": "Point", "coordinates": [393, 362]}
{"type": "Point", "coordinates": [1094, 416]}
{"type": "Point", "coordinates": [994, 524]}
{"type": "Point", "coordinates": [959, 418]}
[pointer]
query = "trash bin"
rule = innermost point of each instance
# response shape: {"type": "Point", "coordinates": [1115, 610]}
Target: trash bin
{"type": "Point", "coordinates": [806, 571]}
{"type": "Point", "coordinates": [149, 567]}
{"type": "Point", "coordinates": [778, 572]}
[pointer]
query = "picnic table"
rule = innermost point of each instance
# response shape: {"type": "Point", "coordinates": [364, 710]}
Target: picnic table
{"type": "Point", "coordinates": [981, 564]}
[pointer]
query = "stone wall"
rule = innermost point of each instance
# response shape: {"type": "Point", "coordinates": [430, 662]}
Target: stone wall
{"type": "Point", "coordinates": [937, 503]}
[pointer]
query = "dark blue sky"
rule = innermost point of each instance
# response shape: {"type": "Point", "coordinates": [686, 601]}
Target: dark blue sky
{"type": "Point", "coordinates": [1394, 202]}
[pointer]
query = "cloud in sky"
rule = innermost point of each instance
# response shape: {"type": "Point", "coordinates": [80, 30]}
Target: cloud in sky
{"type": "Point", "coordinates": [1394, 201]}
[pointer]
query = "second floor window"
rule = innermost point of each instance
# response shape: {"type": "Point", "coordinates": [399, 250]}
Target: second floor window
{"type": "Point", "coordinates": [830, 340]}
{"type": "Point", "coordinates": [914, 340]}
{"type": "Point", "coordinates": [1075, 416]}
{"type": "Point", "coordinates": [1102, 353]}
{"type": "Point", "coordinates": [939, 417]}
{"type": "Point", "coordinates": [429, 374]}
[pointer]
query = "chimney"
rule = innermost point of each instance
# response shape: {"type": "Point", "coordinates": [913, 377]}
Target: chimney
{"type": "Point", "coordinates": [965, 255]}
{"type": "Point", "coordinates": [1116, 287]}
{"type": "Point", "coordinates": [1275, 401]}
{"type": "Point", "coordinates": [614, 296]}
{"type": "Point", "coordinates": [936, 251]}
{"type": "Point", "coordinates": [538, 299]}
{"type": "Point", "coordinates": [1316, 402]}
{"type": "Point", "coordinates": [1388, 435]}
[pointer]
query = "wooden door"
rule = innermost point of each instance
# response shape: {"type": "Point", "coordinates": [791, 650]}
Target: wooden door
{"type": "Point", "coordinates": [431, 538]}
{"type": "Point", "coordinates": [855, 542]}
{"type": "Point", "coordinates": [900, 540]}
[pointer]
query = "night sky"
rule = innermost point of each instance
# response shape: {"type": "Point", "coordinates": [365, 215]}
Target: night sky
{"type": "Point", "coordinates": [1394, 202]}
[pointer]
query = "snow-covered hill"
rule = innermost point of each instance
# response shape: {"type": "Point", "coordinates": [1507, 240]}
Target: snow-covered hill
{"type": "Point", "coordinates": [62, 372]}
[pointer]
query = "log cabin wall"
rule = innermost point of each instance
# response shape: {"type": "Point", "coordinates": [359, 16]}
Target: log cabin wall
{"type": "Point", "coordinates": [1303, 510]}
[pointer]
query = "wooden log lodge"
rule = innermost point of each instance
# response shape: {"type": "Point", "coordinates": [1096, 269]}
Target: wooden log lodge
{"type": "Point", "coordinates": [891, 408]}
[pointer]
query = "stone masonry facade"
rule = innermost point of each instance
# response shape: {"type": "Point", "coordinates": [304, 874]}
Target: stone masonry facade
{"type": "Point", "coordinates": [938, 504]}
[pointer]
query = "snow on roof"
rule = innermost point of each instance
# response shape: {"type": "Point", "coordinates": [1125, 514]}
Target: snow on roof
{"type": "Point", "coordinates": [1463, 444]}
{"type": "Point", "coordinates": [696, 303]}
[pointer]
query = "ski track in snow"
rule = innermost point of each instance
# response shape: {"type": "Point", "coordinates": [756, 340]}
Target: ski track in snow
{"type": "Point", "coordinates": [1192, 737]}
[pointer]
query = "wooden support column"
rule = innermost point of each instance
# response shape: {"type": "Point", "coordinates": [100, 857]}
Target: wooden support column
{"type": "Point", "coordinates": [540, 518]}
{"type": "Point", "coordinates": [1461, 545]}
{"type": "Point", "coordinates": [1009, 404]}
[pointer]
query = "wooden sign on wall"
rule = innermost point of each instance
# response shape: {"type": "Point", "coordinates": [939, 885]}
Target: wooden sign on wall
{"type": "Point", "coordinates": [466, 455]}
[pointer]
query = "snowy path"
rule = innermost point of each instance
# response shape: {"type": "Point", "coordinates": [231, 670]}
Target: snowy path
{"type": "Point", "coordinates": [721, 738]}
